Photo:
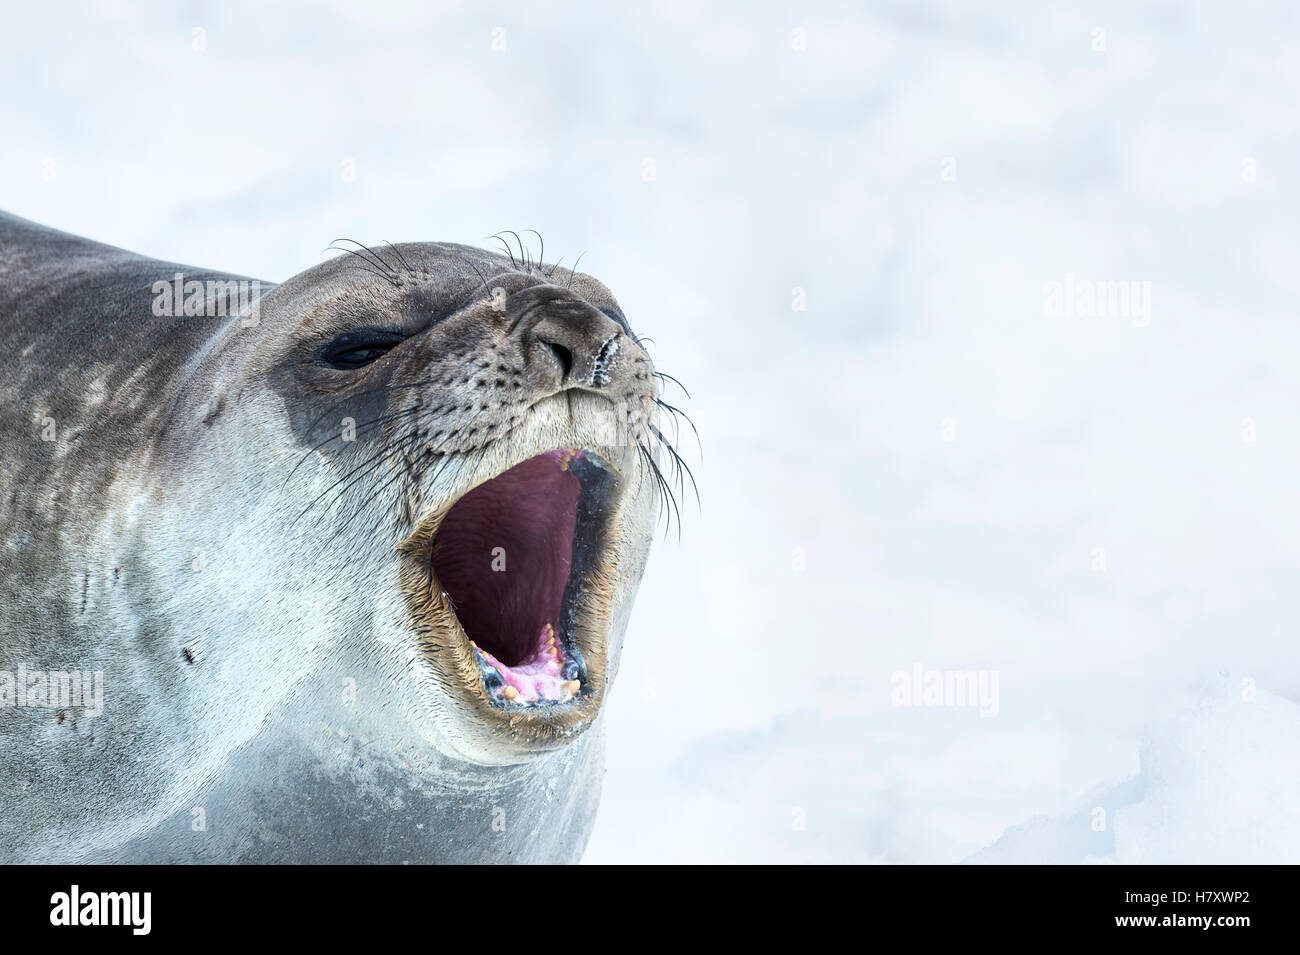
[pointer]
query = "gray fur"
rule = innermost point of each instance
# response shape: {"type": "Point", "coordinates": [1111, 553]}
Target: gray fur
{"type": "Point", "coordinates": [264, 698]}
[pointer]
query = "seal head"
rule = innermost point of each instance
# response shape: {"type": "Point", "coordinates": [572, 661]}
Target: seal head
{"type": "Point", "coordinates": [355, 559]}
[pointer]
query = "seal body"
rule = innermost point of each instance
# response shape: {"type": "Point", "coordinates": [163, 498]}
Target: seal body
{"type": "Point", "coordinates": [225, 634]}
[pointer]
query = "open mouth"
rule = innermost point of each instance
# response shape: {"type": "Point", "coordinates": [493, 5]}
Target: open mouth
{"type": "Point", "coordinates": [514, 558]}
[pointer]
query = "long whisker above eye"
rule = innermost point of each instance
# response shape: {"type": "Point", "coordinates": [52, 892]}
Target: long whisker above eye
{"type": "Point", "coordinates": [385, 270]}
{"type": "Point", "coordinates": [375, 256]}
{"type": "Point", "coordinates": [398, 252]}
{"type": "Point", "coordinates": [363, 268]}
{"type": "Point", "coordinates": [574, 271]}
{"type": "Point", "coordinates": [509, 251]}
{"type": "Point", "coordinates": [481, 277]}
{"type": "Point", "coordinates": [541, 246]}
{"type": "Point", "coordinates": [523, 256]}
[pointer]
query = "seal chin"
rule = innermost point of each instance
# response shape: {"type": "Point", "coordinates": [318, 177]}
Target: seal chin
{"type": "Point", "coordinates": [513, 593]}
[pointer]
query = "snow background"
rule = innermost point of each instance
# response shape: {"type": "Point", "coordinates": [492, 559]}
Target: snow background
{"type": "Point", "coordinates": [917, 468]}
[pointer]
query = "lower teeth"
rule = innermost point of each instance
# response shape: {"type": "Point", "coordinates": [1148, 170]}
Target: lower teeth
{"type": "Point", "coordinates": [545, 677]}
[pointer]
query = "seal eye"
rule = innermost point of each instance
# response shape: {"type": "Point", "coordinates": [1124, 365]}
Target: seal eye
{"type": "Point", "coordinates": [358, 348]}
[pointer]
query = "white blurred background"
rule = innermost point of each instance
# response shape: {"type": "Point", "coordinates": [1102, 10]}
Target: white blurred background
{"type": "Point", "coordinates": [837, 222]}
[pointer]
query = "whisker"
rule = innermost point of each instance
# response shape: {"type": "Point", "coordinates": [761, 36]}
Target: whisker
{"type": "Point", "coordinates": [574, 271]}
{"type": "Point", "coordinates": [480, 275]}
{"type": "Point", "coordinates": [660, 375]}
{"type": "Point", "coordinates": [523, 256]}
{"type": "Point", "coordinates": [509, 251]}
{"type": "Point", "coordinates": [362, 467]}
{"type": "Point", "coordinates": [682, 468]}
{"type": "Point", "coordinates": [363, 428]}
{"type": "Point", "coordinates": [397, 252]}
{"type": "Point", "coordinates": [374, 259]}
{"type": "Point", "coordinates": [678, 411]}
{"type": "Point", "coordinates": [541, 246]}
{"type": "Point", "coordinates": [667, 493]}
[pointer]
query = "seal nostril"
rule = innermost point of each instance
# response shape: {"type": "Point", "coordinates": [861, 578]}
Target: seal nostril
{"type": "Point", "coordinates": [562, 355]}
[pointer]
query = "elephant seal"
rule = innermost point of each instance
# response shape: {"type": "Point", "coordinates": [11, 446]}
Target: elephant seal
{"type": "Point", "coordinates": [335, 570]}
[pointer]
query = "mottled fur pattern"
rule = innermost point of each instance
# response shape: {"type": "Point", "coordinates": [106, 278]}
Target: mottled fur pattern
{"type": "Point", "coordinates": [180, 512]}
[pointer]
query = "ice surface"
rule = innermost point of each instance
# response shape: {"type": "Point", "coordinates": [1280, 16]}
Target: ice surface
{"type": "Point", "coordinates": [922, 466]}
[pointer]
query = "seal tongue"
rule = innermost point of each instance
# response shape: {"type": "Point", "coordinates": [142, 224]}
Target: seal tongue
{"type": "Point", "coordinates": [503, 555]}
{"type": "Point", "coordinates": [547, 675]}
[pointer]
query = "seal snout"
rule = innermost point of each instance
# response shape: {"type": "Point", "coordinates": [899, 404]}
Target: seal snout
{"type": "Point", "coordinates": [579, 339]}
